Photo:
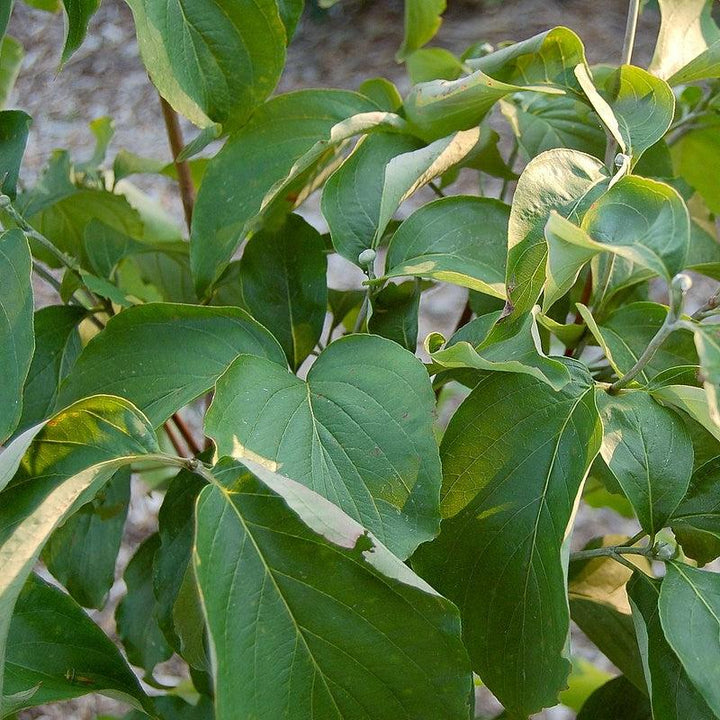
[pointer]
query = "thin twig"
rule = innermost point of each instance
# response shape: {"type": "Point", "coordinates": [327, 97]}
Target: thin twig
{"type": "Point", "coordinates": [506, 181]}
{"type": "Point", "coordinates": [175, 440]}
{"type": "Point", "coordinates": [187, 435]}
{"type": "Point", "coordinates": [436, 190]}
{"type": "Point", "coordinates": [175, 138]}
{"type": "Point", "coordinates": [610, 551]}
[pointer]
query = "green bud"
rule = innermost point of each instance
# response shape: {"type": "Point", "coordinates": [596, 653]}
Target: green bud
{"type": "Point", "coordinates": [367, 257]}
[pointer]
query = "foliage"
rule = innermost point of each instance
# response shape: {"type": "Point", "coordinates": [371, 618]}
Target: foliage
{"type": "Point", "coordinates": [328, 548]}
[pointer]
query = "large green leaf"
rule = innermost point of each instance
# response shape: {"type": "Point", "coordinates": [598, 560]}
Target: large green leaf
{"type": "Point", "coordinates": [14, 128]}
{"type": "Point", "coordinates": [214, 61]}
{"type": "Point", "coordinates": [17, 341]}
{"type": "Point", "coordinates": [82, 552]}
{"type": "Point", "coordinates": [686, 30]}
{"type": "Point", "coordinates": [501, 345]}
{"type": "Point", "coordinates": [514, 457]}
{"type": "Point", "coordinates": [691, 400]}
{"type": "Point", "coordinates": [361, 197]}
{"type": "Point", "coordinates": [358, 431]}
{"type": "Point", "coordinates": [542, 63]}
{"type": "Point", "coordinates": [626, 333]}
{"type": "Point", "coordinates": [57, 475]}
{"type": "Point", "coordinates": [689, 608]}
{"type": "Point", "coordinates": [459, 239]}
{"type": "Point", "coordinates": [696, 521]}
{"type": "Point", "coordinates": [282, 284]}
{"type": "Point", "coordinates": [672, 694]}
{"type": "Point", "coordinates": [162, 356]}
{"type": "Point", "coordinates": [54, 648]}
{"type": "Point", "coordinates": [648, 449]}
{"type": "Point", "coordinates": [78, 14]}
{"type": "Point", "coordinates": [325, 622]}
{"type": "Point", "coordinates": [422, 21]}
{"type": "Point", "coordinates": [707, 342]}
{"type": "Point", "coordinates": [57, 346]}
{"type": "Point", "coordinates": [564, 181]}
{"type": "Point", "coordinates": [11, 57]}
{"type": "Point", "coordinates": [284, 140]}
{"type": "Point", "coordinates": [136, 615]}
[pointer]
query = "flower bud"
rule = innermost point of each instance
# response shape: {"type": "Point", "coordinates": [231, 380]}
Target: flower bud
{"type": "Point", "coordinates": [367, 257]}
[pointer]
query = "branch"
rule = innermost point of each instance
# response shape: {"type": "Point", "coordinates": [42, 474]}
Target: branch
{"type": "Point", "coordinates": [186, 434]}
{"type": "Point", "coordinates": [175, 138]}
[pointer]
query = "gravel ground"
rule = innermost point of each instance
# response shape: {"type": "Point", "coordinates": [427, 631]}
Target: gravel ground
{"type": "Point", "coordinates": [340, 48]}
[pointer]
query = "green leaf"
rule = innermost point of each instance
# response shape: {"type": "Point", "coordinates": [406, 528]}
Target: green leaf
{"type": "Point", "coordinates": [691, 400]}
{"type": "Point", "coordinates": [693, 154]}
{"type": "Point", "coordinates": [626, 333]}
{"type": "Point", "coordinates": [344, 305]}
{"type": "Point", "coordinates": [460, 239]}
{"type": "Point", "coordinates": [503, 345]}
{"type": "Point", "coordinates": [284, 141]}
{"type": "Point", "coordinates": [17, 342]}
{"type": "Point", "coordinates": [57, 345]}
{"type": "Point", "coordinates": [689, 608]}
{"type": "Point", "coordinates": [11, 57]}
{"type": "Point", "coordinates": [14, 128]}
{"type": "Point", "coordinates": [564, 181]}
{"type": "Point", "coordinates": [282, 285]}
{"type": "Point", "coordinates": [162, 356]}
{"type": "Point", "coordinates": [514, 457]}
{"type": "Point", "coordinates": [643, 221]}
{"type": "Point", "coordinates": [362, 195]}
{"type": "Point", "coordinates": [422, 21]}
{"type": "Point", "coordinates": [382, 92]}
{"type": "Point", "coordinates": [54, 647]}
{"type": "Point", "coordinates": [395, 313]}
{"type": "Point", "coordinates": [78, 13]}
{"type": "Point", "coordinates": [81, 553]}
{"type": "Point", "coordinates": [636, 107]}
{"type": "Point", "coordinates": [358, 432]}
{"type": "Point", "coordinates": [5, 13]}
{"type": "Point", "coordinates": [617, 698]}
{"type": "Point", "coordinates": [696, 520]}
{"type": "Point", "coordinates": [648, 449]}
{"type": "Point", "coordinates": [64, 221]}
{"type": "Point", "coordinates": [686, 30]}
{"type": "Point", "coordinates": [543, 63]}
{"type": "Point", "coordinates": [214, 61]}
{"type": "Point", "coordinates": [672, 694]}
{"type": "Point", "coordinates": [321, 611]}
{"type": "Point", "coordinates": [544, 122]}
{"type": "Point", "coordinates": [56, 477]}
{"type": "Point", "coordinates": [136, 615]}
{"type": "Point", "coordinates": [434, 63]}
{"type": "Point", "coordinates": [103, 130]}
{"type": "Point", "coordinates": [178, 609]}
{"type": "Point", "coordinates": [290, 12]}
{"type": "Point", "coordinates": [172, 707]}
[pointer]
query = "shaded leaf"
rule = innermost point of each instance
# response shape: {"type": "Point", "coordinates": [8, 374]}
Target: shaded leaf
{"type": "Point", "coordinates": [300, 622]}
{"type": "Point", "coordinates": [282, 284]}
{"type": "Point", "coordinates": [57, 345]}
{"type": "Point", "coordinates": [161, 356]}
{"type": "Point", "coordinates": [17, 341]}
{"type": "Point", "coordinates": [395, 313]}
{"type": "Point", "coordinates": [11, 57]}
{"type": "Point", "coordinates": [54, 647]}
{"type": "Point", "coordinates": [136, 615]}
{"type": "Point", "coordinates": [509, 488]}
{"type": "Point", "coordinates": [616, 698]}
{"type": "Point", "coordinates": [672, 694]}
{"type": "Point", "coordinates": [358, 432]}
{"type": "Point", "coordinates": [78, 14]}
{"type": "Point", "coordinates": [82, 552]}
{"type": "Point", "coordinates": [14, 128]}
